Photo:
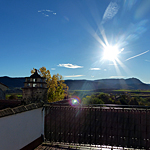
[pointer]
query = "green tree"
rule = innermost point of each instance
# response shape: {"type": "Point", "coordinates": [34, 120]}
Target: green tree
{"type": "Point", "coordinates": [124, 99]}
{"type": "Point", "coordinates": [105, 98]}
{"type": "Point", "coordinates": [134, 101]}
{"type": "Point", "coordinates": [57, 89]}
{"type": "Point", "coordinates": [96, 100]}
{"type": "Point", "coordinates": [93, 99]}
{"type": "Point", "coordinates": [86, 100]}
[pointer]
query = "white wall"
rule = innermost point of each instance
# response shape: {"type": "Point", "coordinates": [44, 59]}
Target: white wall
{"type": "Point", "coordinates": [17, 131]}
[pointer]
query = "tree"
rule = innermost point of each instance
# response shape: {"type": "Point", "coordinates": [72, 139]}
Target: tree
{"type": "Point", "coordinates": [13, 96]}
{"type": "Point", "coordinates": [86, 100]}
{"type": "Point", "coordinates": [93, 99]}
{"type": "Point", "coordinates": [57, 89]}
{"type": "Point", "coordinates": [124, 99]}
{"type": "Point", "coordinates": [134, 101]}
{"type": "Point", "coordinates": [105, 98]}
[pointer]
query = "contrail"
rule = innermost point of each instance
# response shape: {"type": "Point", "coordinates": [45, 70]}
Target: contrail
{"type": "Point", "coordinates": [137, 55]}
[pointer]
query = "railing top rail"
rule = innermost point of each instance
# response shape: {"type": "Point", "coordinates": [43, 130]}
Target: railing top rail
{"type": "Point", "coordinates": [98, 105]}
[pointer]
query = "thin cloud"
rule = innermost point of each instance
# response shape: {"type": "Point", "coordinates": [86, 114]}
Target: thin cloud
{"type": "Point", "coordinates": [147, 60]}
{"type": "Point", "coordinates": [110, 11]}
{"type": "Point", "coordinates": [41, 11]}
{"type": "Point", "coordinates": [70, 66]}
{"type": "Point", "coordinates": [49, 10]}
{"type": "Point", "coordinates": [66, 18]}
{"type": "Point", "coordinates": [73, 76]}
{"type": "Point", "coordinates": [53, 68]}
{"type": "Point", "coordinates": [95, 68]}
{"type": "Point", "coordinates": [44, 12]}
{"type": "Point", "coordinates": [137, 55]}
{"type": "Point", "coordinates": [116, 77]}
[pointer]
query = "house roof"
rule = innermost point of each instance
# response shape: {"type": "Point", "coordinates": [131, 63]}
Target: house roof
{"type": "Point", "coordinates": [19, 109]}
{"type": "Point", "coordinates": [3, 84]}
{"type": "Point", "coordinates": [35, 75]}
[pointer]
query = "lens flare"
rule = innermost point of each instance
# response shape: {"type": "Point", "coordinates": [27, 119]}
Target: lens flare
{"type": "Point", "coordinates": [74, 101]}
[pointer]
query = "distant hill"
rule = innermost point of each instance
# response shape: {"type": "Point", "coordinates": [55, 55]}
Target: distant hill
{"type": "Point", "coordinates": [111, 84]}
{"type": "Point", "coordinates": [12, 82]}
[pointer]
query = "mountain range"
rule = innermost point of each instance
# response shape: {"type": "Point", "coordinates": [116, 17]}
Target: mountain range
{"type": "Point", "coordinates": [101, 84]}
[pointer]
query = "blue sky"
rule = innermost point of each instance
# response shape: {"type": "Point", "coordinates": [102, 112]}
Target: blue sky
{"type": "Point", "coordinates": [70, 37]}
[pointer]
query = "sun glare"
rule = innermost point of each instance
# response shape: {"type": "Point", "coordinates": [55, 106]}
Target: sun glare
{"type": "Point", "coordinates": [110, 53]}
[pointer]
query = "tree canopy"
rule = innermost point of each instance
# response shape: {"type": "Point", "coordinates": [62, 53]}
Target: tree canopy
{"type": "Point", "coordinates": [57, 89]}
{"type": "Point", "coordinates": [104, 98]}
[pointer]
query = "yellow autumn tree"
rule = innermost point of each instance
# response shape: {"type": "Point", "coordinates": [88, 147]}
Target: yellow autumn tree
{"type": "Point", "coordinates": [57, 89]}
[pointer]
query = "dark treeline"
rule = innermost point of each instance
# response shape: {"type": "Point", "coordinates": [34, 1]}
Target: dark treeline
{"type": "Point", "coordinates": [88, 97]}
{"type": "Point", "coordinates": [125, 99]}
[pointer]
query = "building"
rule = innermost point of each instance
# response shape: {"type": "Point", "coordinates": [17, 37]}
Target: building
{"type": "Point", "coordinates": [35, 88]}
{"type": "Point", "coordinates": [2, 94]}
{"type": "Point", "coordinates": [3, 89]}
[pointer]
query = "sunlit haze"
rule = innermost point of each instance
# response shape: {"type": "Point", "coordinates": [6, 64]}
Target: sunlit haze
{"type": "Point", "coordinates": [79, 39]}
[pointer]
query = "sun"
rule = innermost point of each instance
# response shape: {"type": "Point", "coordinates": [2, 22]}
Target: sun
{"type": "Point", "coordinates": [110, 53]}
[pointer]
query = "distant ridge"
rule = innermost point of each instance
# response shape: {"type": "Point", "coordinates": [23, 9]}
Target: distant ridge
{"type": "Point", "coordinates": [111, 84]}
{"type": "Point", "coordinates": [12, 82]}
{"type": "Point", "coordinates": [130, 83]}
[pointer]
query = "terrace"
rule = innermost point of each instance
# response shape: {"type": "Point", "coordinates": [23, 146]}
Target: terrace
{"type": "Point", "coordinates": [61, 126]}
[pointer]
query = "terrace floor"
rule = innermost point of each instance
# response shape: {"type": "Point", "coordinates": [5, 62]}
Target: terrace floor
{"type": "Point", "coordinates": [49, 146]}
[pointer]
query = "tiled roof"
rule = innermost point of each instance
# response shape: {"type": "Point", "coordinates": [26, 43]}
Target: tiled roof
{"type": "Point", "coordinates": [35, 75]}
{"type": "Point", "coordinates": [19, 109]}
